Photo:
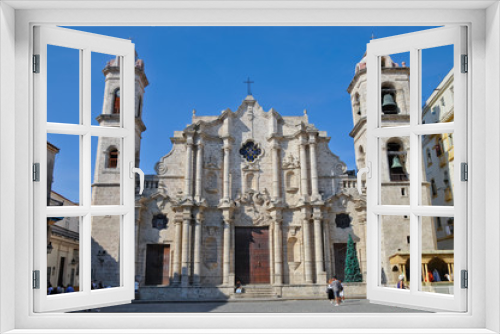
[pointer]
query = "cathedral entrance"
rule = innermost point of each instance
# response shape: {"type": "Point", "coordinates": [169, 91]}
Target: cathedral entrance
{"type": "Point", "coordinates": [252, 255]}
{"type": "Point", "coordinates": [157, 264]}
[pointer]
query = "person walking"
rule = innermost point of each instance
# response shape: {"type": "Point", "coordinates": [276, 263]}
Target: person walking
{"type": "Point", "coordinates": [341, 293]}
{"type": "Point", "coordinates": [336, 287]}
{"type": "Point", "coordinates": [329, 291]}
{"type": "Point", "coordinates": [401, 282]}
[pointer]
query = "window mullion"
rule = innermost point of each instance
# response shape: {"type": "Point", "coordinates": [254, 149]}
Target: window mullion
{"type": "Point", "coordinates": [415, 175]}
{"type": "Point", "coordinates": [85, 254]}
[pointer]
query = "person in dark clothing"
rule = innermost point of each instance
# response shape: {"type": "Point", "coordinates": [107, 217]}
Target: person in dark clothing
{"type": "Point", "coordinates": [329, 291]}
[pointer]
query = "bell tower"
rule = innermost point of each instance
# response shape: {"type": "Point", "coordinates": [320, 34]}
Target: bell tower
{"type": "Point", "coordinates": [107, 174]}
{"type": "Point", "coordinates": [395, 97]}
{"type": "Point", "coordinates": [394, 155]}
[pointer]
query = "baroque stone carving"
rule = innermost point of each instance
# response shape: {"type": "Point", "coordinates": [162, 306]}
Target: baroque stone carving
{"type": "Point", "coordinates": [291, 162]}
{"type": "Point", "coordinates": [253, 208]}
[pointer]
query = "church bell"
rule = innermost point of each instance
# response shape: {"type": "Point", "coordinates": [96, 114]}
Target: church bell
{"type": "Point", "coordinates": [396, 163]}
{"type": "Point", "coordinates": [388, 105]}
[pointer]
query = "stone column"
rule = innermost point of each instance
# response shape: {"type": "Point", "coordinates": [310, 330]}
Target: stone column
{"type": "Point", "coordinates": [314, 168]}
{"type": "Point", "coordinates": [197, 247]}
{"type": "Point", "coordinates": [318, 246]}
{"type": "Point", "coordinates": [178, 251]}
{"type": "Point", "coordinates": [326, 247]}
{"type": "Point", "coordinates": [188, 180]}
{"type": "Point", "coordinates": [275, 164]}
{"type": "Point", "coordinates": [278, 249]}
{"type": "Point", "coordinates": [226, 262]}
{"type": "Point", "coordinates": [199, 171]}
{"type": "Point", "coordinates": [186, 220]}
{"type": "Point", "coordinates": [227, 151]}
{"type": "Point", "coordinates": [303, 169]}
{"type": "Point", "coordinates": [307, 245]}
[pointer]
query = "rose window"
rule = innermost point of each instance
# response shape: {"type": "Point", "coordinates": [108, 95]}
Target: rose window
{"type": "Point", "coordinates": [250, 151]}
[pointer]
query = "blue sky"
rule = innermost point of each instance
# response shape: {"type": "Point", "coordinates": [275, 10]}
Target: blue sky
{"type": "Point", "coordinates": [203, 68]}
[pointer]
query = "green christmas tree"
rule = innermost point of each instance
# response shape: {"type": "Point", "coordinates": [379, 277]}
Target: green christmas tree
{"type": "Point", "coordinates": [351, 273]}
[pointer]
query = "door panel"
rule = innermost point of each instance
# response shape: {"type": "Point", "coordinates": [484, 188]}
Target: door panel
{"type": "Point", "coordinates": [157, 264]}
{"type": "Point", "coordinates": [252, 265]}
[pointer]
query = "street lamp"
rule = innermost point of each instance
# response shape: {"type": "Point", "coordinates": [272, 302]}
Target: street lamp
{"type": "Point", "coordinates": [49, 248]}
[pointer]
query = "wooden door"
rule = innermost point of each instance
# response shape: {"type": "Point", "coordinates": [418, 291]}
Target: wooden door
{"type": "Point", "coordinates": [259, 259]}
{"type": "Point", "coordinates": [340, 251]}
{"type": "Point", "coordinates": [252, 255]}
{"type": "Point", "coordinates": [157, 264]}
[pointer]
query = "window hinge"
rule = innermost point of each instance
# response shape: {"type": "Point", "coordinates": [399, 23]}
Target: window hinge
{"type": "Point", "coordinates": [465, 279]}
{"type": "Point", "coordinates": [465, 64]}
{"type": "Point", "coordinates": [464, 171]}
{"type": "Point", "coordinates": [36, 172]}
{"type": "Point", "coordinates": [36, 279]}
{"type": "Point", "coordinates": [36, 63]}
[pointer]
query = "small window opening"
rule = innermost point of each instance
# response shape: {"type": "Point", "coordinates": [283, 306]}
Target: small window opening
{"type": "Point", "coordinates": [113, 158]}
{"type": "Point", "coordinates": [434, 187]}
{"type": "Point", "coordinates": [116, 102]}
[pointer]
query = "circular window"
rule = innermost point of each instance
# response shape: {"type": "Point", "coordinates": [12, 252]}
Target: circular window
{"type": "Point", "coordinates": [250, 151]}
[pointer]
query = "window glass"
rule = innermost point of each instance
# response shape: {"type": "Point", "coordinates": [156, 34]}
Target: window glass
{"type": "Point", "coordinates": [63, 85]}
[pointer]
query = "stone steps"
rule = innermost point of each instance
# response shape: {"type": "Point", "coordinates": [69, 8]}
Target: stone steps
{"type": "Point", "coordinates": [256, 292]}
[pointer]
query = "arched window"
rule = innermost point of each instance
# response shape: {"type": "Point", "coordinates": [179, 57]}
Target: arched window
{"type": "Point", "coordinates": [434, 187]}
{"type": "Point", "coordinates": [388, 96]}
{"type": "Point", "coordinates": [116, 102]}
{"type": "Point", "coordinates": [113, 158]}
{"type": "Point", "coordinates": [396, 158]}
{"type": "Point", "coordinates": [439, 147]}
{"type": "Point", "coordinates": [139, 107]}
{"type": "Point", "coordinates": [357, 103]}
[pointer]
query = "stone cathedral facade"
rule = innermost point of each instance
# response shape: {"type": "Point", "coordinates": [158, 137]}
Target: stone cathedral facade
{"type": "Point", "coordinates": [250, 196]}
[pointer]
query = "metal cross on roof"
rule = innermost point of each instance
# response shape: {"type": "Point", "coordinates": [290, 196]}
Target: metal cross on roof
{"type": "Point", "coordinates": [248, 82]}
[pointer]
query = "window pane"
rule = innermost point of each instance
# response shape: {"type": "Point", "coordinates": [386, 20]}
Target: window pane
{"type": "Point", "coordinates": [63, 170]}
{"type": "Point", "coordinates": [106, 109]}
{"type": "Point", "coordinates": [63, 85]}
{"type": "Point", "coordinates": [395, 90]}
{"type": "Point", "coordinates": [106, 170]}
{"type": "Point", "coordinates": [439, 170]}
{"type": "Point", "coordinates": [437, 254]}
{"type": "Point", "coordinates": [395, 251]}
{"type": "Point", "coordinates": [437, 85]}
{"type": "Point", "coordinates": [63, 255]}
{"type": "Point", "coordinates": [395, 171]}
{"type": "Point", "coordinates": [105, 251]}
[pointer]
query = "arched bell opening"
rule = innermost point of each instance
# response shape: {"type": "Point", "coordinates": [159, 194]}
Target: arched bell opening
{"type": "Point", "coordinates": [388, 98]}
{"type": "Point", "coordinates": [396, 157]}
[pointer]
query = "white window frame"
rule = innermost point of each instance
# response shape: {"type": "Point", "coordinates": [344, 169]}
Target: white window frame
{"type": "Point", "coordinates": [15, 40]}
{"type": "Point", "coordinates": [86, 44]}
{"type": "Point", "coordinates": [413, 43]}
